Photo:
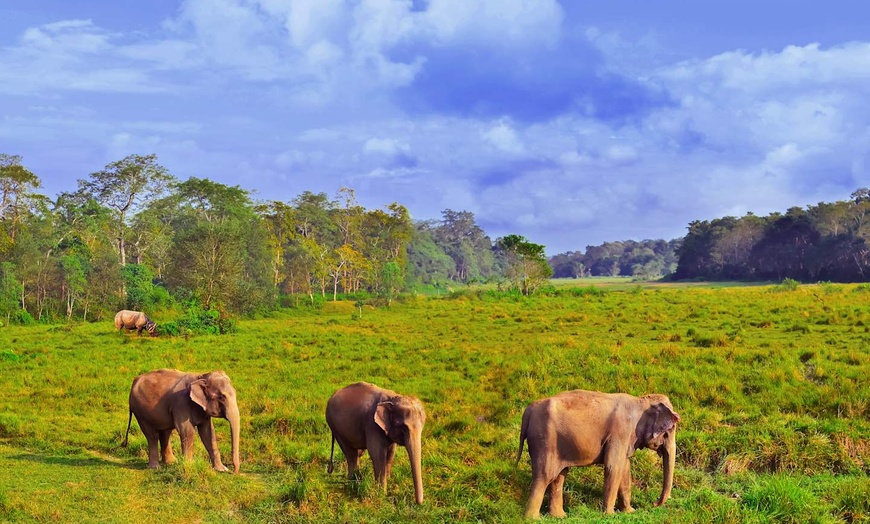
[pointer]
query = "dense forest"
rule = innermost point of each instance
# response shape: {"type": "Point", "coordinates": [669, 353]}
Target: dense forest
{"type": "Point", "coordinates": [645, 259]}
{"type": "Point", "coordinates": [132, 235]}
{"type": "Point", "coordinates": [825, 242]}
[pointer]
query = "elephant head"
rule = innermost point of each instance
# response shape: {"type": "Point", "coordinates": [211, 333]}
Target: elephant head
{"type": "Point", "coordinates": [214, 393]}
{"type": "Point", "coordinates": [402, 420]}
{"type": "Point", "coordinates": [656, 430]}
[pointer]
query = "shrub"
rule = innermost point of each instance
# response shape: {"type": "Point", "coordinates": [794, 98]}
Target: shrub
{"type": "Point", "coordinates": [199, 321]}
{"type": "Point", "coordinates": [21, 318]}
{"type": "Point", "coordinates": [787, 284]}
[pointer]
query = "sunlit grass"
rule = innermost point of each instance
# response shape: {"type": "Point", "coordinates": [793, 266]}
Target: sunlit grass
{"type": "Point", "coordinates": [771, 386]}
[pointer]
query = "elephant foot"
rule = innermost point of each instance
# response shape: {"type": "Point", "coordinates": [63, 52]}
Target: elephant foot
{"type": "Point", "coordinates": [628, 509]}
{"type": "Point", "coordinates": [559, 514]}
{"type": "Point", "coordinates": [220, 467]}
{"type": "Point", "coordinates": [532, 515]}
{"type": "Point", "coordinates": [153, 466]}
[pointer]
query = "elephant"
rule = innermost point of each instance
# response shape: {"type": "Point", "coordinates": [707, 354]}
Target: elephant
{"type": "Point", "coordinates": [167, 399]}
{"type": "Point", "coordinates": [126, 319]}
{"type": "Point", "coordinates": [363, 416]}
{"type": "Point", "coordinates": [579, 428]}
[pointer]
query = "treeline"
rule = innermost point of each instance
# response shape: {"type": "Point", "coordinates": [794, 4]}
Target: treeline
{"type": "Point", "coordinates": [825, 242]}
{"type": "Point", "coordinates": [132, 235]}
{"type": "Point", "coordinates": [645, 259]}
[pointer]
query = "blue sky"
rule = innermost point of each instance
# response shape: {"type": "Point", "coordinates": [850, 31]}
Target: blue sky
{"type": "Point", "coordinates": [571, 123]}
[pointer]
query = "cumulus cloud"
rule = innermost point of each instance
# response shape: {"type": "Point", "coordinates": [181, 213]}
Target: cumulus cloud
{"type": "Point", "coordinates": [565, 134]}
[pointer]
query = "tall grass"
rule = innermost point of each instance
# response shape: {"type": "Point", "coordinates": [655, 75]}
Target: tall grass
{"type": "Point", "coordinates": [776, 420]}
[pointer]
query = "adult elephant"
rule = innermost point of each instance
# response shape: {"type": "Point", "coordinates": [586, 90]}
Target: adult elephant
{"type": "Point", "coordinates": [579, 428]}
{"type": "Point", "coordinates": [168, 399]}
{"type": "Point", "coordinates": [363, 417]}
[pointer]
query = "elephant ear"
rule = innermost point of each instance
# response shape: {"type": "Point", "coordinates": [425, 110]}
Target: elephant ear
{"type": "Point", "coordinates": [197, 393]}
{"type": "Point", "coordinates": [666, 420]}
{"type": "Point", "coordinates": [382, 416]}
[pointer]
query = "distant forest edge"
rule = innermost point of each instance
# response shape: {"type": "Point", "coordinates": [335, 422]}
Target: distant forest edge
{"type": "Point", "coordinates": [132, 235]}
{"type": "Point", "coordinates": [825, 242]}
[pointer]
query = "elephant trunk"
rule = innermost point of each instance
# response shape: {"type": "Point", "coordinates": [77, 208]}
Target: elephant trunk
{"type": "Point", "coordinates": [232, 413]}
{"type": "Point", "coordinates": [414, 452]}
{"type": "Point", "coordinates": [669, 455]}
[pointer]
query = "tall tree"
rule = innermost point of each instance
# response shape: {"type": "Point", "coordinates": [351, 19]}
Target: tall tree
{"type": "Point", "coordinates": [125, 186]}
{"type": "Point", "coordinates": [467, 245]}
{"type": "Point", "coordinates": [220, 254]}
{"type": "Point", "coordinates": [17, 197]}
{"type": "Point", "coordinates": [527, 266]}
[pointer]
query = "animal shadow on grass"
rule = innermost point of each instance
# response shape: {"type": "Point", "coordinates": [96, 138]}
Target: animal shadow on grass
{"type": "Point", "coordinates": [359, 486]}
{"type": "Point", "coordinates": [72, 461]}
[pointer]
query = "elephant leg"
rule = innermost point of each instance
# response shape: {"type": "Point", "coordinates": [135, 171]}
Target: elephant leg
{"type": "Point", "coordinates": [624, 499]}
{"type": "Point", "coordinates": [556, 487]}
{"type": "Point", "coordinates": [188, 435]}
{"type": "Point", "coordinates": [388, 462]}
{"type": "Point", "coordinates": [536, 497]}
{"type": "Point", "coordinates": [166, 446]}
{"type": "Point", "coordinates": [209, 440]}
{"type": "Point", "coordinates": [614, 470]}
{"type": "Point", "coordinates": [153, 438]}
{"type": "Point", "coordinates": [542, 476]}
{"type": "Point", "coordinates": [351, 456]}
{"type": "Point", "coordinates": [379, 453]}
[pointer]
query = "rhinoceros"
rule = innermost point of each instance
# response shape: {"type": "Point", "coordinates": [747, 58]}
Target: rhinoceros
{"type": "Point", "coordinates": [126, 319]}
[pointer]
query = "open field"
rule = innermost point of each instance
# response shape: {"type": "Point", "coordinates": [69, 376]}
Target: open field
{"type": "Point", "coordinates": [772, 386]}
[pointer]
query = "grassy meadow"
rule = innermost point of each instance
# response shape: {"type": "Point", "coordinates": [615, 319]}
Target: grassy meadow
{"type": "Point", "coordinates": [771, 383]}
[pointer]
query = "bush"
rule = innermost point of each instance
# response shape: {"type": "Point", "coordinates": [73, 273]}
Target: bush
{"type": "Point", "coordinates": [199, 321]}
{"type": "Point", "coordinates": [787, 284]}
{"type": "Point", "coordinates": [21, 317]}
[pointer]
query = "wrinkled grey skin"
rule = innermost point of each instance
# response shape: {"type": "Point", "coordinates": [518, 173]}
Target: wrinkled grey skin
{"type": "Point", "coordinates": [363, 417]}
{"type": "Point", "coordinates": [126, 319]}
{"type": "Point", "coordinates": [167, 399]}
{"type": "Point", "coordinates": [579, 428]}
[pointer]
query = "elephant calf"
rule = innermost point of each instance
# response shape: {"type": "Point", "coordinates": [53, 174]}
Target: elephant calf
{"type": "Point", "coordinates": [363, 416]}
{"type": "Point", "coordinates": [168, 399]}
{"type": "Point", "coordinates": [579, 428]}
{"type": "Point", "coordinates": [126, 319]}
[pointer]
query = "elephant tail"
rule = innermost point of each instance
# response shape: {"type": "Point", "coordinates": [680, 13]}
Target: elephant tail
{"type": "Point", "coordinates": [331, 453]}
{"type": "Point", "coordinates": [524, 429]}
{"type": "Point", "coordinates": [127, 434]}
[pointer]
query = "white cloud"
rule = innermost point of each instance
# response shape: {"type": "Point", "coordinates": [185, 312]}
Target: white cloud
{"type": "Point", "coordinates": [504, 138]}
{"type": "Point", "coordinates": [506, 22]}
{"type": "Point", "coordinates": [385, 146]}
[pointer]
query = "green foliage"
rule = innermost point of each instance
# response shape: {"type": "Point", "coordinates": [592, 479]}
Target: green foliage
{"type": "Point", "coordinates": [198, 321]}
{"type": "Point", "coordinates": [526, 264]}
{"type": "Point", "coordinates": [823, 242]}
{"type": "Point", "coordinates": [10, 293]}
{"type": "Point", "coordinates": [787, 284]}
{"type": "Point", "coordinates": [644, 260]}
{"type": "Point", "coordinates": [138, 282]}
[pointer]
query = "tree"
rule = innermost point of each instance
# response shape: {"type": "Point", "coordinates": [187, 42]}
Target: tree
{"type": "Point", "coordinates": [139, 283]}
{"type": "Point", "coordinates": [124, 186]}
{"type": "Point", "coordinates": [17, 197]}
{"type": "Point", "coordinates": [220, 255]}
{"type": "Point", "coordinates": [527, 266]}
{"type": "Point", "coordinates": [465, 242]}
{"type": "Point", "coordinates": [10, 291]}
{"type": "Point", "coordinates": [427, 261]}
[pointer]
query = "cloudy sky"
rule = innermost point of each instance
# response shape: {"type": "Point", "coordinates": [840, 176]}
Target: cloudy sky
{"type": "Point", "coordinates": [570, 122]}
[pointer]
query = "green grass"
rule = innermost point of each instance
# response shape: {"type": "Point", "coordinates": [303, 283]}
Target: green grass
{"type": "Point", "coordinates": [771, 386]}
